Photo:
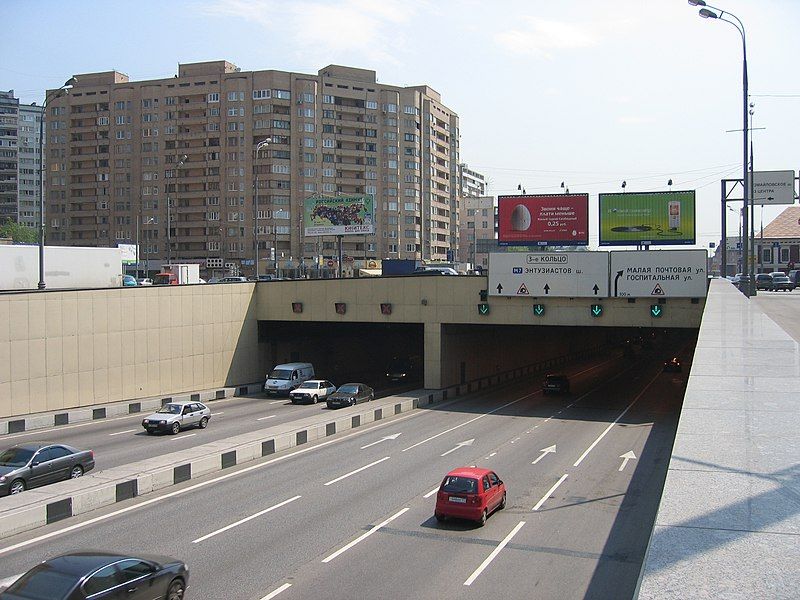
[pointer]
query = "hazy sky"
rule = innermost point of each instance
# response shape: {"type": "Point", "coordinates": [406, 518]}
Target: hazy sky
{"type": "Point", "coordinates": [589, 92]}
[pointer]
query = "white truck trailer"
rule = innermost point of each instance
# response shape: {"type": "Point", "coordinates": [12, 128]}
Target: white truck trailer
{"type": "Point", "coordinates": [178, 274]}
{"type": "Point", "coordinates": [65, 267]}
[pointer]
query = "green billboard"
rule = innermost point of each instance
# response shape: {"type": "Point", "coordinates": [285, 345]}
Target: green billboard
{"type": "Point", "coordinates": [647, 218]}
{"type": "Point", "coordinates": [339, 215]}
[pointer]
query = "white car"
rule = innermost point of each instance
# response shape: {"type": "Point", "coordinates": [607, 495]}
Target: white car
{"type": "Point", "coordinates": [144, 281]}
{"type": "Point", "coordinates": [312, 391]}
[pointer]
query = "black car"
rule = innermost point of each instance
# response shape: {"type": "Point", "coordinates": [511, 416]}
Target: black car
{"type": "Point", "coordinates": [556, 383]}
{"type": "Point", "coordinates": [30, 465]}
{"type": "Point", "coordinates": [350, 394]}
{"type": "Point", "coordinates": [672, 366]}
{"type": "Point", "coordinates": [102, 576]}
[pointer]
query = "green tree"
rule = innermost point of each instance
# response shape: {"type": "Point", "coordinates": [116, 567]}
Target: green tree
{"type": "Point", "coordinates": [19, 233]}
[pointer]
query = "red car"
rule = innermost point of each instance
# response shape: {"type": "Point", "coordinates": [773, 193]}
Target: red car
{"type": "Point", "coordinates": [470, 493]}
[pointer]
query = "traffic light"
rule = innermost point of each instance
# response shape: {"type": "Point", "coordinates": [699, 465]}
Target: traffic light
{"type": "Point", "coordinates": [656, 311]}
{"type": "Point", "coordinates": [597, 310]}
{"type": "Point", "coordinates": [483, 308]}
{"type": "Point", "coordinates": [538, 310]}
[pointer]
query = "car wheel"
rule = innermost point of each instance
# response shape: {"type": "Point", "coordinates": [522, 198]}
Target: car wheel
{"type": "Point", "coordinates": [176, 427]}
{"type": "Point", "coordinates": [314, 399]}
{"type": "Point", "coordinates": [17, 487]}
{"type": "Point", "coordinates": [482, 520]}
{"type": "Point", "coordinates": [203, 422]}
{"type": "Point", "coordinates": [503, 502]}
{"type": "Point", "coordinates": [439, 517]}
{"type": "Point", "coordinates": [176, 590]}
{"type": "Point", "coordinates": [76, 472]}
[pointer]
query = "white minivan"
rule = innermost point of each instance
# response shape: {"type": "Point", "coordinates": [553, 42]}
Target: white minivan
{"type": "Point", "coordinates": [284, 378]}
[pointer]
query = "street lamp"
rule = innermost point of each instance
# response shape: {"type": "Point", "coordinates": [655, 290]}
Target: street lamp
{"type": "Point", "coordinates": [564, 187]}
{"type": "Point", "coordinates": [145, 221]}
{"type": "Point", "coordinates": [712, 12]}
{"type": "Point", "coordinates": [51, 96]}
{"type": "Point", "coordinates": [262, 144]}
{"type": "Point", "coordinates": [169, 213]}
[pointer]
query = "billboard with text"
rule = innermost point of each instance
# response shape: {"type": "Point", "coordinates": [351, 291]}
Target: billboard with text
{"type": "Point", "coordinates": [647, 218]}
{"type": "Point", "coordinates": [543, 220]}
{"type": "Point", "coordinates": [339, 215]}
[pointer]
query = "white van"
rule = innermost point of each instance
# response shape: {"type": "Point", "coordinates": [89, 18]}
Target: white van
{"type": "Point", "coordinates": [284, 378]}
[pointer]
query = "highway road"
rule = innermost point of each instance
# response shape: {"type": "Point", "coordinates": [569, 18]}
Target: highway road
{"type": "Point", "coordinates": [352, 516]}
{"type": "Point", "coordinates": [784, 309]}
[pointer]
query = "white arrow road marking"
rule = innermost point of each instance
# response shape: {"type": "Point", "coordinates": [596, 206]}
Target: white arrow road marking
{"type": "Point", "coordinates": [283, 588]}
{"type": "Point", "coordinates": [383, 439]}
{"type": "Point", "coordinates": [550, 492]}
{"type": "Point", "coordinates": [544, 452]}
{"type": "Point", "coordinates": [346, 475]}
{"type": "Point", "coordinates": [465, 443]}
{"type": "Point", "coordinates": [245, 520]}
{"type": "Point", "coordinates": [264, 418]}
{"type": "Point", "coordinates": [494, 554]}
{"type": "Point", "coordinates": [364, 536]}
{"type": "Point", "coordinates": [625, 458]}
{"type": "Point", "coordinates": [121, 432]}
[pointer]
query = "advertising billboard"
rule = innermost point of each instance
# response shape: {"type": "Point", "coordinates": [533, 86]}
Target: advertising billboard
{"type": "Point", "coordinates": [647, 218]}
{"type": "Point", "coordinates": [543, 220]}
{"type": "Point", "coordinates": [340, 215]}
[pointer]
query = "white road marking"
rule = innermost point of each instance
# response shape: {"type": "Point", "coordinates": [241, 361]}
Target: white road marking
{"type": "Point", "coordinates": [121, 432]}
{"type": "Point", "coordinates": [394, 436]}
{"type": "Point", "coordinates": [183, 437]}
{"type": "Point", "coordinates": [459, 445]}
{"type": "Point", "coordinates": [214, 414]}
{"type": "Point", "coordinates": [38, 432]}
{"type": "Point", "coordinates": [549, 492]}
{"type": "Point", "coordinates": [196, 486]}
{"type": "Point", "coordinates": [622, 414]}
{"type": "Point", "coordinates": [278, 402]}
{"type": "Point", "coordinates": [364, 536]}
{"type": "Point", "coordinates": [346, 475]}
{"type": "Point", "coordinates": [265, 418]}
{"type": "Point", "coordinates": [492, 454]}
{"type": "Point", "coordinates": [494, 554]}
{"type": "Point", "coordinates": [625, 458]}
{"type": "Point", "coordinates": [245, 520]}
{"type": "Point", "coordinates": [432, 492]}
{"type": "Point", "coordinates": [283, 588]}
{"type": "Point", "coordinates": [544, 452]}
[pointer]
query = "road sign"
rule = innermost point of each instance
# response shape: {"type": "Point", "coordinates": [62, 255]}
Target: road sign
{"type": "Point", "coordinates": [656, 311]}
{"type": "Point", "coordinates": [483, 308]}
{"type": "Point", "coordinates": [659, 274]}
{"type": "Point", "coordinates": [538, 310]}
{"type": "Point", "coordinates": [558, 274]}
{"type": "Point", "coordinates": [773, 187]}
{"type": "Point", "coordinates": [597, 310]}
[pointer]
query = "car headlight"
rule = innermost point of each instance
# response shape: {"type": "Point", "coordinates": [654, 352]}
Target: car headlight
{"type": "Point", "coordinates": [2, 478]}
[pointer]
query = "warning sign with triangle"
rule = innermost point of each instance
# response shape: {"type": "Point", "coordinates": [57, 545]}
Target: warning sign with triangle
{"type": "Point", "coordinates": [523, 290]}
{"type": "Point", "coordinates": [657, 291]}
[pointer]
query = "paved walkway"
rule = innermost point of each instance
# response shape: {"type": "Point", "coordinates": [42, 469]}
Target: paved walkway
{"type": "Point", "coordinates": [729, 521]}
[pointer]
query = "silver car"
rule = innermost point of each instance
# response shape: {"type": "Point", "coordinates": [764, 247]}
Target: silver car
{"type": "Point", "coordinates": [174, 416]}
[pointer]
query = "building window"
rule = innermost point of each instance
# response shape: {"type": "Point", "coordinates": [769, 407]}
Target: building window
{"type": "Point", "coordinates": [282, 94]}
{"type": "Point", "coordinates": [262, 94]}
{"type": "Point", "coordinates": [767, 255]}
{"type": "Point", "coordinates": [784, 255]}
{"type": "Point", "coordinates": [213, 97]}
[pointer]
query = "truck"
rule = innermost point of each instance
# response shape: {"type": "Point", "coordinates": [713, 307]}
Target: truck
{"type": "Point", "coordinates": [398, 266]}
{"type": "Point", "coordinates": [65, 267]}
{"type": "Point", "coordinates": [178, 274]}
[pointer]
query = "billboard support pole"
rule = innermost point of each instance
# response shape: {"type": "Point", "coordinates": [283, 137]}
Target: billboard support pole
{"type": "Point", "coordinates": [339, 267]}
{"type": "Point", "coordinates": [724, 262]}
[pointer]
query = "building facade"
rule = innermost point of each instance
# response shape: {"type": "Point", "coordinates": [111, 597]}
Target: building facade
{"type": "Point", "coordinates": [478, 227]}
{"type": "Point", "coordinates": [20, 162]}
{"type": "Point", "coordinates": [118, 172]}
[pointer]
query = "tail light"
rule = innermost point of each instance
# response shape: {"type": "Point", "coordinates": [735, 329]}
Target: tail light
{"type": "Point", "coordinates": [91, 454]}
{"type": "Point", "coordinates": [474, 499]}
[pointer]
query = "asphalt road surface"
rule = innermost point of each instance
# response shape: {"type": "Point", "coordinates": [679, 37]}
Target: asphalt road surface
{"type": "Point", "coordinates": [784, 309]}
{"type": "Point", "coordinates": [352, 516]}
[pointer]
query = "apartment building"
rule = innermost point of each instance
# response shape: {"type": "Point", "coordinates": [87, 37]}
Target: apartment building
{"type": "Point", "coordinates": [117, 170]}
{"type": "Point", "coordinates": [19, 160]}
{"type": "Point", "coordinates": [478, 230]}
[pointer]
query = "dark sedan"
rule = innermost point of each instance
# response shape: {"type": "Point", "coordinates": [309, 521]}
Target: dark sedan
{"type": "Point", "coordinates": [31, 465]}
{"type": "Point", "coordinates": [350, 394]}
{"type": "Point", "coordinates": [102, 576]}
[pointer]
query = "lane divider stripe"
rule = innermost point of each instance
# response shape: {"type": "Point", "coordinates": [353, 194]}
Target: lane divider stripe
{"type": "Point", "coordinates": [346, 475]}
{"type": "Point", "coordinates": [365, 535]}
{"type": "Point", "coordinates": [283, 588]}
{"type": "Point", "coordinates": [245, 520]}
{"type": "Point", "coordinates": [549, 492]}
{"type": "Point", "coordinates": [494, 554]}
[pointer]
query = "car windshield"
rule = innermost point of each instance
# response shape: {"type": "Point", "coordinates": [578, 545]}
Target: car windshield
{"type": "Point", "coordinates": [171, 409]}
{"type": "Point", "coordinates": [781, 278]}
{"type": "Point", "coordinates": [307, 385]}
{"type": "Point", "coordinates": [43, 583]}
{"type": "Point", "coordinates": [15, 457]}
{"type": "Point", "coordinates": [348, 389]}
{"type": "Point", "coordinates": [459, 485]}
{"type": "Point", "coordinates": [280, 374]}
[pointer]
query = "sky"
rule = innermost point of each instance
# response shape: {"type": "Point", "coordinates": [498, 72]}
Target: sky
{"type": "Point", "coordinates": [588, 92]}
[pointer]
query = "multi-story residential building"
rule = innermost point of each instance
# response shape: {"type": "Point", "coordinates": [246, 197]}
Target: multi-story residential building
{"type": "Point", "coordinates": [471, 183]}
{"type": "Point", "coordinates": [477, 230]}
{"type": "Point", "coordinates": [20, 162]}
{"type": "Point", "coordinates": [117, 148]}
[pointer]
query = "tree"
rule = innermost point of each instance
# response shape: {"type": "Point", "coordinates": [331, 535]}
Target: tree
{"type": "Point", "coordinates": [19, 233]}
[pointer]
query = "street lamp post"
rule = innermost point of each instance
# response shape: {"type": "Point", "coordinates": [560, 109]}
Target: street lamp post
{"type": "Point", "coordinates": [169, 211]}
{"type": "Point", "coordinates": [262, 144]}
{"type": "Point", "coordinates": [51, 96]}
{"type": "Point", "coordinates": [708, 12]}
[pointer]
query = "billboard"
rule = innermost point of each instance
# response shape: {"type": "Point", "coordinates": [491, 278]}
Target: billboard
{"type": "Point", "coordinates": [340, 215]}
{"type": "Point", "coordinates": [543, 220]}
{"type": "Point", "coordinates": [647, 218]}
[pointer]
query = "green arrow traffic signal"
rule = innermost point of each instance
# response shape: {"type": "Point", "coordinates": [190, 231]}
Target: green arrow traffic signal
{"type": "Point", "coordinates": [656, 310]}
{"type": "Point", "coordinates": [597, 310]}
{"type": "Point", "coordinates": [483, 309]}
{"type": "Point", "coordinates": [538, 309]}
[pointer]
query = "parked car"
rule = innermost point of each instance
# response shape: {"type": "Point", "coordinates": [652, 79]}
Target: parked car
{"type": "Point", "coordinates": [232, 279]}
{"type": "Point", "coordinates": [102, 576]}
{"type": "Point", "coordinates": [350, 394]}
{"type": "Point", "coordinates": [673, 365]}
{"type": "Point", "coordinates": [794, 275]}
{"type": "Point", "coordinates": [556, 383]}
{"type": "Point", "coordinates": [432, 270]}
{"type": "Point", "coordinates": [26, 466]}
{"type": "Point", "coordinates": [144, 281]}
{"type": "Point", "coordinates": [781, 283]}
{"type": "Point", "coordinates": [763, 281]}
{"type": "Point", "coordinates": [175, 416]}
{"type": "Point", "coordinates": [263, 278]}
{"type": "Point", "coordinates": [129, 281]}
{"type": "Point", "coordinates": [312, 391]}
{"type": "Point", "coordinates": [470, 493]}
